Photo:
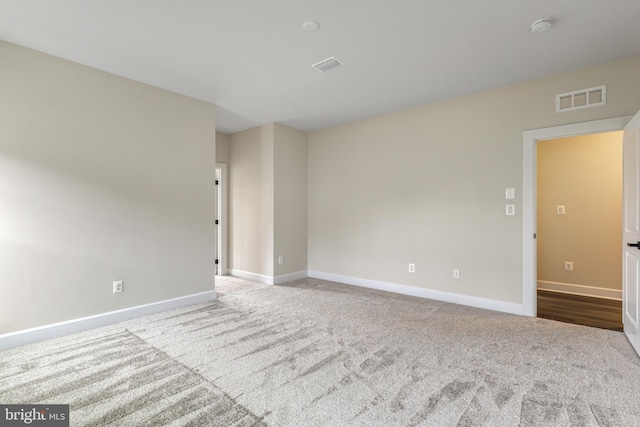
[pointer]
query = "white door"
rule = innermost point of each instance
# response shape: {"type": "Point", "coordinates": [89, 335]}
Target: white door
{"type": "Point", "coordinates": [221, 219]}
{"type": "Point", "coordinates": [217, 223]}
{"type": "Point", "coordinates": [631, 233]}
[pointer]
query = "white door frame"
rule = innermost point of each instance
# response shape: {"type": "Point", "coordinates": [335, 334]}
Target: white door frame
{"type": "Point", "coordinates": [221, 214]}
{"type": "Point", "coordinates": [530, 139]}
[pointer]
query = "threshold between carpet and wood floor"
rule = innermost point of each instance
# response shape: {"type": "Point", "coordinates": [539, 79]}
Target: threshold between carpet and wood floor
{"type": "Point", "coordinates": [318, 353]}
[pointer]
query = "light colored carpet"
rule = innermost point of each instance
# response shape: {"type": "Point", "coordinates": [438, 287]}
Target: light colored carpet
{"type": "Point", "coordinates": [316, 353]}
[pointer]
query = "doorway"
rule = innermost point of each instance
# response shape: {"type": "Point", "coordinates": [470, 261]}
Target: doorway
{"type": "Point", "coordinates": [529, 242]}
{"type": "Point", "coordinates": [579, 229]}
{"type": "Point", "coordinates": [221, 225]}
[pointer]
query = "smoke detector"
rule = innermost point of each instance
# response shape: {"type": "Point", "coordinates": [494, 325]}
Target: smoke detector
{"type": "Point", "coordinates": [541, 25]}
{"type": "Point", "coordinates": [328, 64]}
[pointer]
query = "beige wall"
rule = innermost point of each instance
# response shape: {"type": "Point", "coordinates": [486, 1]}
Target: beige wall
{"type": "Point", "coordinates": [268, 201]}
{"type": "Point", "coordinates": [584, 174]}
{"type": "Point", "coordinates": [222, 147]}
{"type": "Point", "coordinates": [426, 185]}
{"type": "Point", "coordinates": [290, 200]}
{"type": "Point", "coordinates": [251, 201]}
{"type": "Point", "coordinates": [101, 179]}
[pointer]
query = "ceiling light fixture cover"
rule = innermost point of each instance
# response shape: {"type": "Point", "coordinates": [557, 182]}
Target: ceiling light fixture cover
{"type": "Point", "coordinates": [541, 25]}
{"type": "Point", "coordinates": [328, 64]}
{"type": "Point", "coordinates": [311, 26]}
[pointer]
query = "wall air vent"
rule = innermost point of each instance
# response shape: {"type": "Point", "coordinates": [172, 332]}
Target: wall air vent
{"type": "Point", "coordinates": [582, 98]}
{"type": "Point", "coordinates": [328, 64]}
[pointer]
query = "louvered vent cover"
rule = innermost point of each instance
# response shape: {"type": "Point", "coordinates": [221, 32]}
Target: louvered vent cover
{"type": "Point", "coordinates": [328, 64]}
{"type": "Point", "coordinates": [583, 98]}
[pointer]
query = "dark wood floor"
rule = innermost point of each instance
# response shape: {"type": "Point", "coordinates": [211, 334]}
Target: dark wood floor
{"type": "Point", "coordinates": [581, 310]}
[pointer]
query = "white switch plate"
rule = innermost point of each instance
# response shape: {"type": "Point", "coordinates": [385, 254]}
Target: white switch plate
{"type": "Point", "coordinates": [412, 268]}
{"type": "Point", "coordinates": [560, 210]}
{"type": "Point", "coordinates": [456, 273]}
{"type": "Point", "coordinates": [510, 193]}
{"type": "Point", "coordinates": [510, 210]}
{"type": "Point", "coordinates": [280, 260]}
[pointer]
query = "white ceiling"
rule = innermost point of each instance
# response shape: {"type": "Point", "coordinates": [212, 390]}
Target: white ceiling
{"type": "Point", "coordinates": [252, 58]}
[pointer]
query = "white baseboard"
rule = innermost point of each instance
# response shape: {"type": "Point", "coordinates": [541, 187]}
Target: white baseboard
{"type": "Point", "coordinates": [290, 277]}
{"type": "Point", "coordinates": [589, 291]}
{"type": "Point", "coordinates": [489, 304]}
{"type": "Point", "coordinates": [269, 280]}
{"type": "Point", "coordinates": [40, 333]}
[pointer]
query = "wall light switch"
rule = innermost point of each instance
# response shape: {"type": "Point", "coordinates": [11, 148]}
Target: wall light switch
{"type": "Point", "coordinates": [560, 210]}
{"type": "Point", "coordinates": [510, 210]}
{"type": "Point", "coordinates": [510, 193]}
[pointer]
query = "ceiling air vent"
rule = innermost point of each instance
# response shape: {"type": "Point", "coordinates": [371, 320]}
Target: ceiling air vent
{"type": "Point", "coordinates": [582, 98]}
{"type": "Point", "coordinates": [328, 64]}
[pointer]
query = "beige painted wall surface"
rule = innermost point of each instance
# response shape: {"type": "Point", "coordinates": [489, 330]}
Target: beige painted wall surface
{"type": "Point", "coordinates": [290, 200]}
{"type": "Point", "coordinates": [251, 201]}
{"type": "Point", "coordinates": [426, 185]}
{"type": "Point", "coordinates": [101, 179]}
{"type": "Point", "coordinates": [584, 174]}
{"type": "Point", "coordinates": [222, 147]}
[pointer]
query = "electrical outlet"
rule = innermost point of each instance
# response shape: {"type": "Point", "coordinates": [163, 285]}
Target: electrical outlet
{"type": "Point", "coordinates": [568, 265]}
{"type": "Point", "coordinates": [456, 273]}
{"type": "Point", "coordinates": [280, 260]}
{"type": "Point", "coordinates": [118, 286]}
{"type": "Point", "coordinates": [412, 268]}
{"type": "Point", "coordinates": [510, 210]}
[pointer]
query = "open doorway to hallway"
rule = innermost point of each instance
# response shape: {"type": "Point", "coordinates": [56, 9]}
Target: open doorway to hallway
{"type": "Point", "coordinates": [579, 229]}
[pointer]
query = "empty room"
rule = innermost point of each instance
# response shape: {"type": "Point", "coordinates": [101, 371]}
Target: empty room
{"type": "Point", "coordinates": [305, 213]}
